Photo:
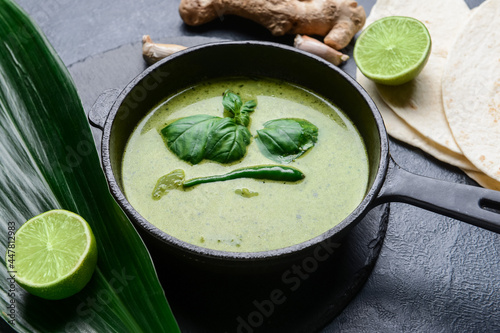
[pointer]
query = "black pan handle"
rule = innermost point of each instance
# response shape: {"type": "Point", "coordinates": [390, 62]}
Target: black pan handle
{"type": "Point", "coordinates": [100, 109]}
{"type": "Point", "coordinates": [475, 205]}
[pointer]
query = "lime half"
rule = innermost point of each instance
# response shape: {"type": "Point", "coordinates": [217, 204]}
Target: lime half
{"type": "Point", "coordinates": [393, 50]}
{"type": "Point", "coordinates": [55, 254]}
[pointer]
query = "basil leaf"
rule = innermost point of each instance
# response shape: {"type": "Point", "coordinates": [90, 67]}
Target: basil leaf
{"type": "Point", "coordinates": [223, 140]}
{"type": "Point", "coordinates": [227, 142]}
{"type": "Point", "coordinates": [284, 140]}
{"type": "Point", "coordinates": [233, 103]}
{"type": "Point", "coordinates": [244, 117]}
{"type": "Point", "coordinates": [187, 137]}
{"type": "Point", "coordinates": [249, 106]}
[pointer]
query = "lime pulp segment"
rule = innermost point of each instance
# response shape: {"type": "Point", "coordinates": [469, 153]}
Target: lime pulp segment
{"type": "Point", "coordinates": [55, 254]}
{"type": "Point", "coordinates": [50, 250]}
{"type": "Point", "coordinates": [393, 50]}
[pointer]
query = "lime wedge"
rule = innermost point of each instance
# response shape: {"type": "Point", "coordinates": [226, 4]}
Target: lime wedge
{"type": "Point", "coordinates": [55, 254]}
{"type": "Point", "coordinates": [393, 50]}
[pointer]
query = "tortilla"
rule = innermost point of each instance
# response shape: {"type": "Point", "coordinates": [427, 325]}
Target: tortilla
{"type": "Point", "coordinates": [400, 130]}
{"type": "Point", "coordinates": [471, 89]}
{"type": "Point", "coordinates": [419, 102]}
{"type": "Point", "coordinates": [483, 180]}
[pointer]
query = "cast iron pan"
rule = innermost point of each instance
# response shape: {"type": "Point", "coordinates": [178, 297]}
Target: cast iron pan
{"type": "Point", "coordinates": [118, 112]}
{"type": "Point", "coordinates": [213, 302]}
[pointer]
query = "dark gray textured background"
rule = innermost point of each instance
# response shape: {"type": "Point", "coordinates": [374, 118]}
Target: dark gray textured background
{"type": "Point", "coordinates": [434, 274]}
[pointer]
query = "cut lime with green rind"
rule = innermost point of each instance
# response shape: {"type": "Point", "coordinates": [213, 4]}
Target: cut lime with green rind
{"type": "Point", "coordinates": [55, 254]}
{"type": "Point", "coordinates": [393, 50]}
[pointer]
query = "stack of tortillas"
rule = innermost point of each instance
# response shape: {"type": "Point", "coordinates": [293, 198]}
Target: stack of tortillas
{"type": "Point", "coordinates": [452, 109]}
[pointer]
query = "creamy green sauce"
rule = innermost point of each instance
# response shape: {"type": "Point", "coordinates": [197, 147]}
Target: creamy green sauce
{"type": "Point", "coordinates": [247, 215]}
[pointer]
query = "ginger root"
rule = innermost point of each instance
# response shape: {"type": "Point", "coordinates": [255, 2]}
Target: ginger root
{"type": "Point", "coordinates": [314, 46]}
{"type": "Point", "coordinates": [337, 20]}
{"type": "Point", "coordinates": [153, 52]}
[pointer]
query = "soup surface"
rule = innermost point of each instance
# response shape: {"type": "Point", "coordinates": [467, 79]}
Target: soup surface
{"type": "Point", "coordinates": [248, 215]}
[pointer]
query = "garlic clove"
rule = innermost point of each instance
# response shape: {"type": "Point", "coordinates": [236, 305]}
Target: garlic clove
{"type": "Point", "coordinates": [154, 52]}
{"type": "Point", "coordinates": [314, 46]}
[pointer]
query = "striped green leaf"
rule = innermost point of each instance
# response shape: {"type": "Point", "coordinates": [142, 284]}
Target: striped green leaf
{"type": "Point", "coordinates": [48, 160]}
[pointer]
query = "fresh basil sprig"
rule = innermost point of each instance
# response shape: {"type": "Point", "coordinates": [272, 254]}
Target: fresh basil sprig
{"type": "Point", "coordinates": [240, 111]}
{"type": "Point", "coordinates": [284, 140]}
{"type": "Point", "coordinates": [222, 140]}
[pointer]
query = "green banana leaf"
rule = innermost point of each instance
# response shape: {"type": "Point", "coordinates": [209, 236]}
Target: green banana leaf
{"type": "Point", "coordinates": [48, 160]}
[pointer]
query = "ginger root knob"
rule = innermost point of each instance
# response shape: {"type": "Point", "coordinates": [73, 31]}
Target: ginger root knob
{"type": "Point", "coordinates": [337, 20]}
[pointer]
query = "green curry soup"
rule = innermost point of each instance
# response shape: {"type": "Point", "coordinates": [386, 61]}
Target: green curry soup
{"type": "Point", "coordinates": [248, 215]}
